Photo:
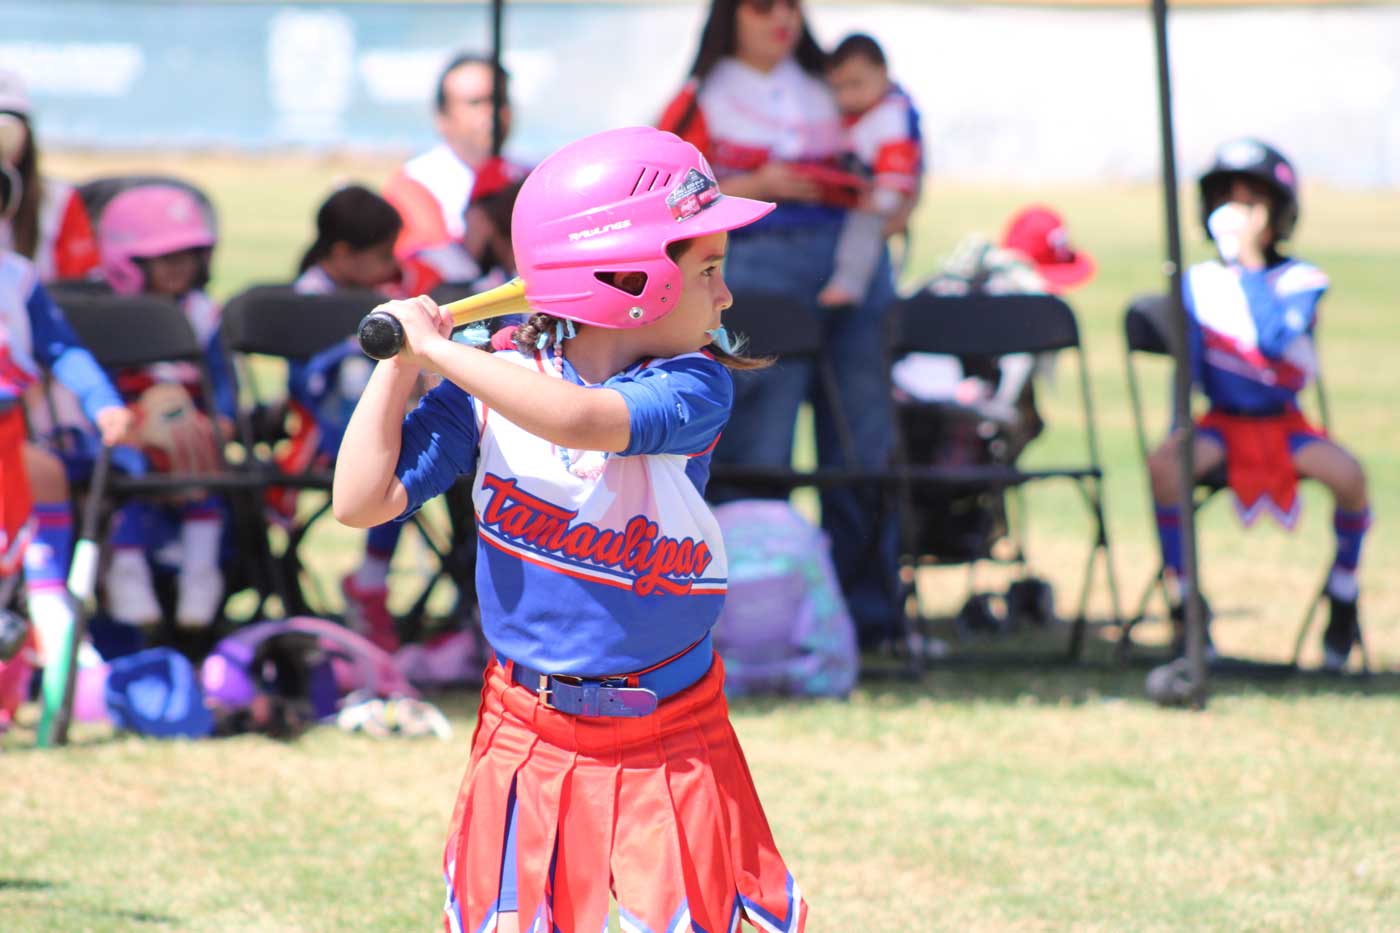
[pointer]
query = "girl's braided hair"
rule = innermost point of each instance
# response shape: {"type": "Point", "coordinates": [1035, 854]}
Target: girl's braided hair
{"type": "Point", "coordinates": [527, 336]}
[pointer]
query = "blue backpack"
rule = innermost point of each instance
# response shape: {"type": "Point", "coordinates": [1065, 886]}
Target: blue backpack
{"type": "Point", "coordinates": [156, 692]}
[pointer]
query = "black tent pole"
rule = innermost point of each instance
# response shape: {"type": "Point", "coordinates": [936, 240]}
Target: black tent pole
{"type": "Point", "coordinates": [498, 91]}
{"type": "Point", "coordinates": [1195, 625]}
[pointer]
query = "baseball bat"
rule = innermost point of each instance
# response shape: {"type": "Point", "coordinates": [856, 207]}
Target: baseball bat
{"type": "Point", "coordinates": [381, 334]}
{"type": "Point", "coordinates": [61, 668]}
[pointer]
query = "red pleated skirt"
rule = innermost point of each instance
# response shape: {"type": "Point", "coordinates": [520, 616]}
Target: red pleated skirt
{"type": "Point", "coordinates": [16, 503]}
{"type": "Point", "coordinates": [659, 811]}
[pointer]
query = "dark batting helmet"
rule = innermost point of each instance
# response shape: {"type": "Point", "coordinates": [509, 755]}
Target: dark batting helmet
{"type": "Point", "coordinates": [1252, 158]}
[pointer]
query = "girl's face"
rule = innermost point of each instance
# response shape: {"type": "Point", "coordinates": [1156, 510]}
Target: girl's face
{"type": "Point", "coordinates": [174, 274]}
{"type": "Point", "coordinates": [766, 31]}
{"type": "Point", "coordinates": [367, 268]}
{"type": "Point", "coordinates": [1248, 193]}
{"type": "Point", "coordinates": [703, 298]}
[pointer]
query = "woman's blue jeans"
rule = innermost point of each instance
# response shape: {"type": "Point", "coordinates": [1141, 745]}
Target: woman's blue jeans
{"type": "Point", "coordinates": [863, 532]}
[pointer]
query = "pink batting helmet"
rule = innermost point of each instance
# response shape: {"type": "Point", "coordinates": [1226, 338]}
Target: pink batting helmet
{"type": "Point", "coordinates": [144, 222]}
{"type": "Point", "coordinates": [613, 202]}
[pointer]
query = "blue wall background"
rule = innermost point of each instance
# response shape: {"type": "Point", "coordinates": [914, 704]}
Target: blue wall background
{"type": "Point", "coordinates": [1007, 93]}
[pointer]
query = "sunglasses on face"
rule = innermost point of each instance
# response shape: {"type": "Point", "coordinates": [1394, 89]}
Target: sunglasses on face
{"type": "Point", "coordinates": [764, 7]}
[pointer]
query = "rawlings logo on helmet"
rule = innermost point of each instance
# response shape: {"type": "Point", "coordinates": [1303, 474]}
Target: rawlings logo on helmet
{"type": "Point", "coordinates": [595, 231]}
{"type": "Point", "coordinates": [695, 193]}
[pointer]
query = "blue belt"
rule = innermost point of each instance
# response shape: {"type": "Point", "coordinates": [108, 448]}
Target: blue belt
{"type": "Point", "coordinates": [615, 696]}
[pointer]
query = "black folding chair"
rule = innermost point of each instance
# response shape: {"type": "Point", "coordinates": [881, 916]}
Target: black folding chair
{"type": "Point", "coordinates": [277, 321]}
{"type": "Point", "coordinates": [776, 325]}
{"type": "Point", "coordinates": [126, 332]}
{"type": "Point", "coordinates": [1147, 331]}
{"type": "Point", "coordinates": [995, 326]}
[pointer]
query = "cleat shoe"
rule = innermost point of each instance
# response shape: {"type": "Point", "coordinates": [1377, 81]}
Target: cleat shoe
{"type": "Point", "coordinates": [201, 595]}
{"type": "Point", "coordinates": [131, 591]}
{"type": "Point", "coordinates": [1342, 634]}
{"type": "Point", "coordinates": [367, 612]}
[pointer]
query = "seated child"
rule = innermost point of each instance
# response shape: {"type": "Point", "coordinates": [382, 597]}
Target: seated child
{"type": "Point", "coordinates": [1252, 313]}
{"type": "Point", "coordinates": [883, 127]}
{"type": "Point", "coordinates": [36, 525]}
{"type": "Point", "coordinates": [156, 240]}
{"type": "Point", "coordinates": [354, 248]}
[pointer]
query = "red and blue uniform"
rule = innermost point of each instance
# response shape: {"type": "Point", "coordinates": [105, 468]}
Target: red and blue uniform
{"type": "Point", "coordinates": [617, 570]}
{"type": "Point", "coordinates": [33, 334]}
{"type": "Point", "coordinates": [1252, 353]}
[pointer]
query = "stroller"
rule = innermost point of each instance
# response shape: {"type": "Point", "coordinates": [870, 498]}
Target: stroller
{"type": "Point", "coordinates": [972, 412]}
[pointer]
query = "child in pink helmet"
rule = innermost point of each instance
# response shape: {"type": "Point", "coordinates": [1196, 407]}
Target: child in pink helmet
{"type": "Point", "coordinates": [156, 239]}
{"type": "Point", "coordinates": [604, 765]}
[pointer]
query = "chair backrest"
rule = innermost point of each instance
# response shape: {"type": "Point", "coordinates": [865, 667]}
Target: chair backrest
{"type": "Point", "coordinates": [1146, 327]}
{"type": "Point", "coordinates": [60, 288]}
{"type": "Point", "coordinates": [122, 331]}
{"type": "Point", "coordinates": [96, 194]}
{"type": "Point", "coordinates": [982, 325]}
{"type": "Point", "coordinates": [275, 320]}
{"type": "Point", "coordinates": [774, 324]}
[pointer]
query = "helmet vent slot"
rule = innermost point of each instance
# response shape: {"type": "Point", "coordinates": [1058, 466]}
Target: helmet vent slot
{"type": "Point", "coordinates": [632, 283]}
{"type": "Point", "coordinates": [650, 179]}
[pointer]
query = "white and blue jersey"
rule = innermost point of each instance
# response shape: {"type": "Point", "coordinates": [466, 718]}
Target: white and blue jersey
{"type": "Point", "coordinates": [1251, 333]}
{"type": "Point", "coordinates": [33, 334]}
{"type": "Point", "coordinates": [606, 573]}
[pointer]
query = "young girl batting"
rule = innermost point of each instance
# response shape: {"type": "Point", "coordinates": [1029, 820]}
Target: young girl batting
{"type": "Point", "coordinates": [603, 760]}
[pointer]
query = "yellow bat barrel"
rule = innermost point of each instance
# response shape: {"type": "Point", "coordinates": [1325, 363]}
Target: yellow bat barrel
{"type": "Point", "coordinates": [381, 334]}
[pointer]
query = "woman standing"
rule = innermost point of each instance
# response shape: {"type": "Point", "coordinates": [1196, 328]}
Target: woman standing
{"type": "Point", "coordinates": [47, 223]}
{"type": "Point", "coordinates": [758, 106]}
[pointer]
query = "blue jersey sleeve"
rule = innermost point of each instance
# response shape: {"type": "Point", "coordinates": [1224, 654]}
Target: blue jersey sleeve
{"type": "Point", "coordinates": [56, 348]}
{"type": "Point", "coordinates": [677, 406]}
{"type": "Point", "coordinates": [308, 381]}
{"type": "Point", "coordinates": [439, 444]}
{"type": "Point", "coordinates": [221, 377]}
{"type": "Point", "coordinates": [1284, 307]}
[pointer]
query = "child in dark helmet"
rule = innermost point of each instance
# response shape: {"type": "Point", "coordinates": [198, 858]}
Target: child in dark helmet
{"type": "Point", "coordinates": [1252, 313]}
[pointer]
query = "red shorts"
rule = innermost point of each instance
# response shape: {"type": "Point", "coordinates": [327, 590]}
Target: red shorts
{"type": "Point", "coordinates": [16, 502]}
{"type": "Point", "coordinates": [1259, 460]}
{"type": "Point", "coordinates": [658, 811]}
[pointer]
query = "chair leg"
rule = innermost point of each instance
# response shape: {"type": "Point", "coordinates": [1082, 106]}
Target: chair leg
{"type": "Point", "coordinates": [1308, 617]}
{"type": "Point", "coordinates": [1156, 585]}
{"type": "Point", "coordinates": [1076, 643]}
{"type": "Point", "coordinates": [1081, 615]}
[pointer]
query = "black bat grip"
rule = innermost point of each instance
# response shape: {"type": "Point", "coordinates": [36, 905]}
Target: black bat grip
{"type": "Point", "coordinates": [381, 335]}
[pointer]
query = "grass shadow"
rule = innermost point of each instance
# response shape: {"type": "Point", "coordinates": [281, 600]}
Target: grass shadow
{"type": "Point", "coordinates": [32, 885]}
{"type": "Point", "coordinates": [27, 884]}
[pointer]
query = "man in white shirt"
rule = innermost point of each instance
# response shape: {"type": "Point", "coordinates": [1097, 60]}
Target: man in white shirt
{"type": "Point", "coordinates": [432, 190]}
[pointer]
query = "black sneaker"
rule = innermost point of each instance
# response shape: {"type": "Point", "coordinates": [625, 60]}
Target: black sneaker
{"type": "Point", "coordinates": [1343, 632]}
{"type": "Point", "coordinates": [1179, 629]}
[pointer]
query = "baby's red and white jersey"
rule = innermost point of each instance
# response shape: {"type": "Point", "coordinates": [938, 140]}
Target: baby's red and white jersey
{"type": "Point", "coordinates": [746, 117]}
{"type": "Point", "coordinates": [887, 141]}
{"type": "Point", "coordinates": [1251, 332]}
{"type": "Point", "coordinates": [67, 247]}
{"type": "Point", "coordinates": [606, 572]}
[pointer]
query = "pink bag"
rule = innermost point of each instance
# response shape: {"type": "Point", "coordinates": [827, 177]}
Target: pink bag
{"type": "Point", "coordinates": [785, 628]}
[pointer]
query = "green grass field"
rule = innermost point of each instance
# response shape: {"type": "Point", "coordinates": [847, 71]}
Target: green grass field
{"type": "Point", "coordinates": [1023, 799]}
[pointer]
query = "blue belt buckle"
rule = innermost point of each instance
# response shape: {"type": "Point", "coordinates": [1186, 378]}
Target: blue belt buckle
{"type": "Point", "coordinates": [567, 693]}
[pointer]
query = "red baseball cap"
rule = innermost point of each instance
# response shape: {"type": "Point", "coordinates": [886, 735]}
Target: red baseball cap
{"type": "Point", "coordinates": [1038, 233]}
